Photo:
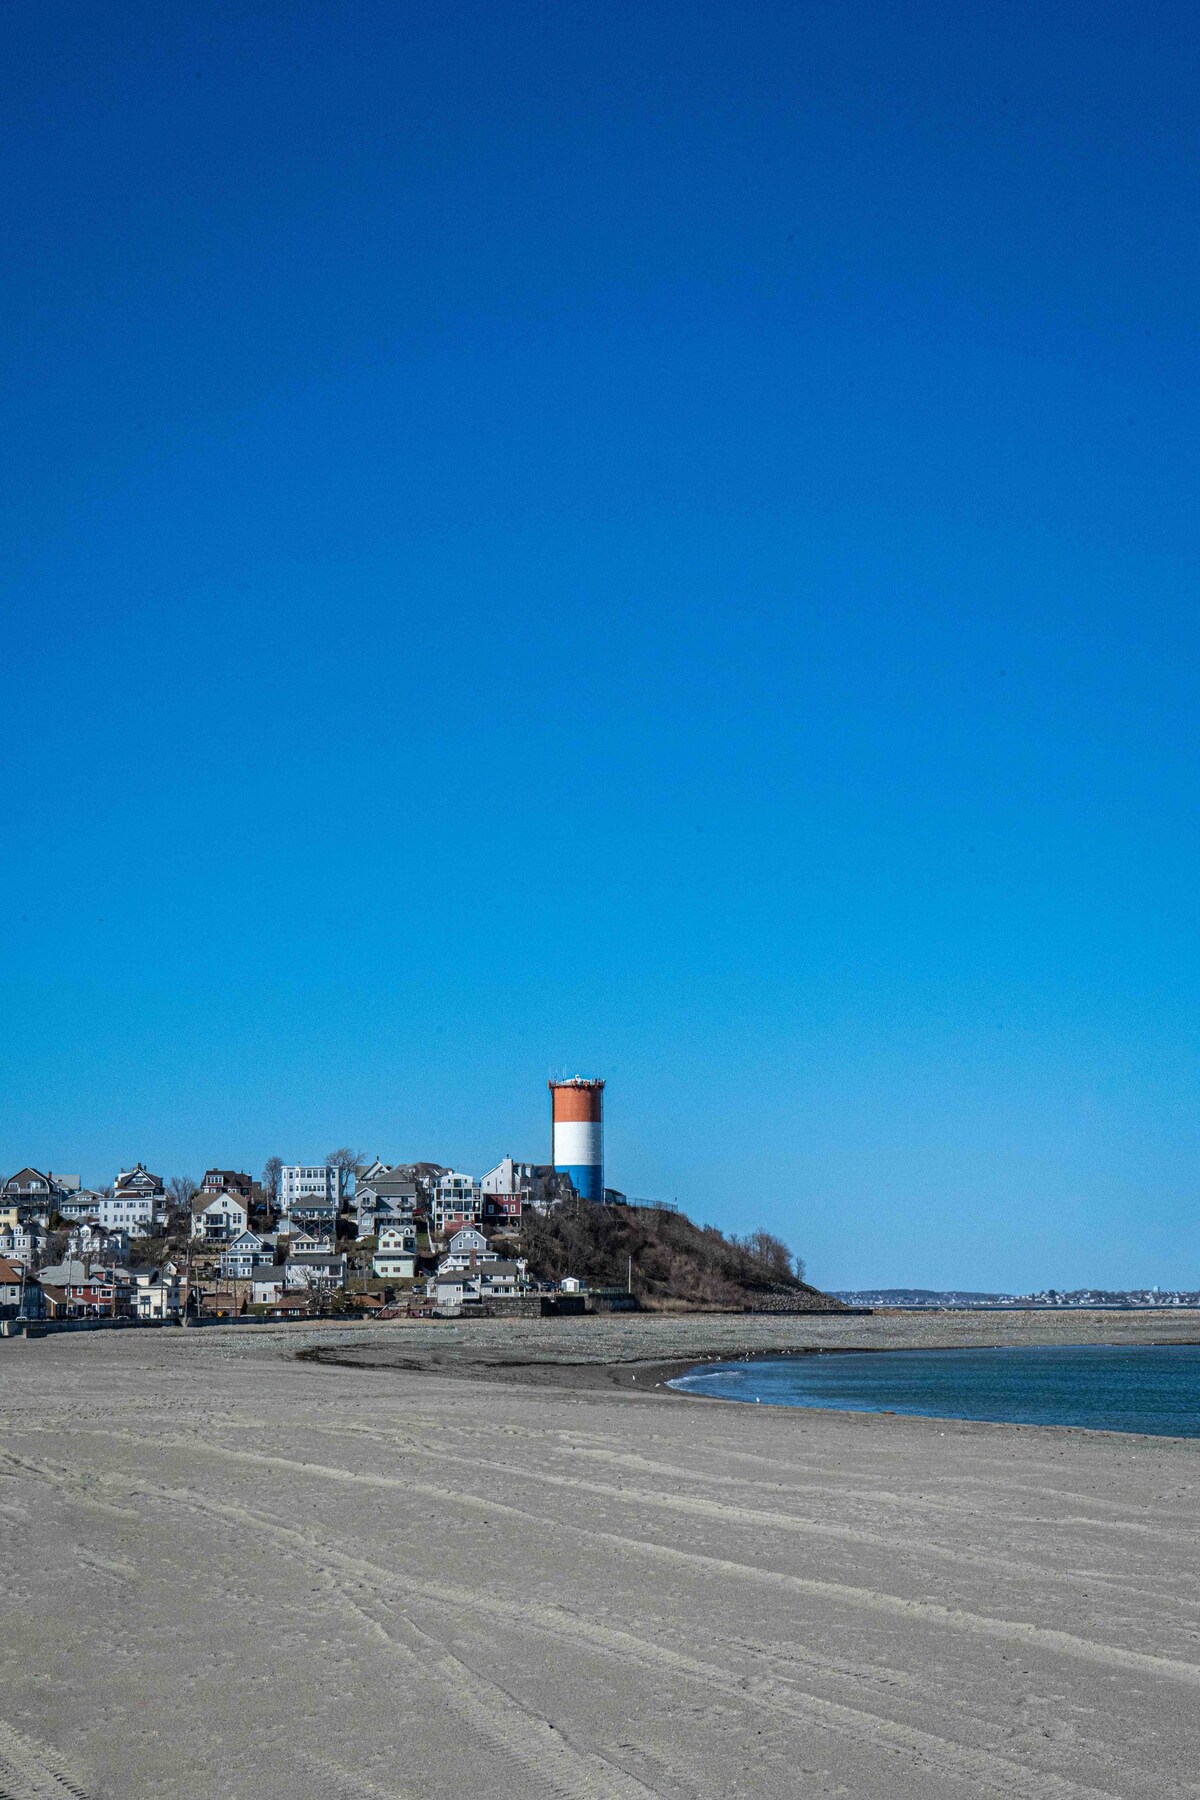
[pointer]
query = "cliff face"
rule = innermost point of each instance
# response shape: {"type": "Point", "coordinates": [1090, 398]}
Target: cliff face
{"type": "Point", "coordinates": [673, 1259]}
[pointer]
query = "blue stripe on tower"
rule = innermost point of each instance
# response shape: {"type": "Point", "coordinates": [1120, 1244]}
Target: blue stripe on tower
{"type": "Point", "coordinates": [588, 1180]}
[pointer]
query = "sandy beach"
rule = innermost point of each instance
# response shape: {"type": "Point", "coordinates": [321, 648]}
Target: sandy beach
{"type": "Point", "coordinates": [501, 1559]}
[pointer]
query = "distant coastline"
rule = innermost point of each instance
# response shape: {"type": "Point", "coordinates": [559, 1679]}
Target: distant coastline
{"type": "Point", "coordinates": [1050, 1300]}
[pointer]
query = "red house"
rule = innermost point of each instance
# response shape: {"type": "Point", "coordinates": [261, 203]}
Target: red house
{"type": "Point", "coordinates": [499, 1209]}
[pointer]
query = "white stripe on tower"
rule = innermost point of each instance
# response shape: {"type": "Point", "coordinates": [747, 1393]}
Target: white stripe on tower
{"type": "Point", "coordinates": [577, 1142]}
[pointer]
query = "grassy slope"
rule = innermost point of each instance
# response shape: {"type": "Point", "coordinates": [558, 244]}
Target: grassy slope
{"type": "Point", "coordinates": [673, 1259]}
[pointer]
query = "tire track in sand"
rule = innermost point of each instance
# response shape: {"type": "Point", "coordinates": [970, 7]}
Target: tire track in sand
{"type": "Point", "coordinates": [515, 1728]}
{"type": "Point", "coordinates": [1013, 1631]}
{"type": "Point", "coordinates": [30, 1770]}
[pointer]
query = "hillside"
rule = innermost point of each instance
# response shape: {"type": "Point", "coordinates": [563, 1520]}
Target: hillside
{"type": "Point", "coordinates": [673, 1259]}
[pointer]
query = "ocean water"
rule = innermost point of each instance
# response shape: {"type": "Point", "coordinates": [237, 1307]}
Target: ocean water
{"type": "Point", "coordinates": [1149, 1388]}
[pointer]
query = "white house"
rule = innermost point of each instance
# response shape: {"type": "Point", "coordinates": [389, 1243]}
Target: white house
{"type": "Point", "coordinates": [131, 1190]}
{"type": "Point", "coordinates": [160, 1293]}
{"type": "Point", "coordinates": [394, 1265]}
{"type": "Point", "coordinates": [300, 1242]}
{"type": "Point", "coordinates": [316, 1269]}
{"type": "Point", "coordinates": [80, 1205]}
{"type": "Point", "coordinates": [89, 1239]}
{"type": "Point", "coordinates": [455, 1201]}
{"type": "Point", "coordinates": [398, 1240]}
{"type": "Point", "coordinates": [266, 1287]}
{"type": "Point", "coordinates": [314, 1184]}
{"type": "Point", "coordinates": [21, 1243]}
{"type": "Point", "coordinates": [218, 1218]}
{"type": "Point", "coordinates": [131, 1211]}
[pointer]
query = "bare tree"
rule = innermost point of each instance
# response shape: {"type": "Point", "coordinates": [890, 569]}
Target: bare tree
{"type": "Point", "coordinates": [272, 1169]}
{"type": "Point", "coordinates": [774, 1255]}
{"type": "Point", "coordinates": [182, 1191]}
{"type": "Point", "coordinates": [350, 1162]}
{"type": "Point", "coordinates": [54, 1248]}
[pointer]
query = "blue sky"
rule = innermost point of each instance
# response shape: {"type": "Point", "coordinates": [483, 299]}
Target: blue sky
{"type": "Point", "coordinates": [646, 539]}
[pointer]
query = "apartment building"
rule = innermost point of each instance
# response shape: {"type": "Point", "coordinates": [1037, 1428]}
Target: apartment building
{"type": "Point", "coordinates": [303, 1185]}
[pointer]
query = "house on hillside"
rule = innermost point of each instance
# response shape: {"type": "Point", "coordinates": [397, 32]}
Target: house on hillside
{"type": "Point", "coordinates": [503, 1190]}
{"type": "Point", "coordinates": [392, 1263]}
{"type": "Point", "coordinates": [22, 1243]}
{"type": "Point", "coordinates": [137, 1204]}
{"type": "Point", "coordinates": [316, 1217]}
{"type": "Point", "coordinates": [245, 1253]}
{"type": "Point", "coordinates": [455, 1202]}
{"type": "Point", "coordinates": [387, 1198]}
{"type": "Point", "coordinates": [90, 1239]}
{"type": "Point", "coordinates": [467, 1249]}
{"type": "Point", "coordinates": [501, 1209]}
{"type": "Point", "coordinates": [230, 1181]}
{"type": "Point", "coordinates": [299, 1243]}
{"type": "Point", "coordinates": [535, 1186]}
{"type": "Point", "coordinates": [305, 1184]}
{"type": "Point", "coordinates": [139, 1180]}
{"type": "Point", "coordinates": [82, 1205]}
{"type": "Point", "coordinates": [399, 1240]}
{"type": "Point", "coordinates": [218, 1218]}
{"type": "Point", "coordinates": [36, 1196]}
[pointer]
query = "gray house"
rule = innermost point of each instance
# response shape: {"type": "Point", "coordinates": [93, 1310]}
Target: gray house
{"type": "Point", "coordinates": [467, 1287]}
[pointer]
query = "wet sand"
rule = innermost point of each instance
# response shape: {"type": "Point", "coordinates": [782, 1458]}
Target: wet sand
{"type": "Point", "coordinates": [431, 1559]}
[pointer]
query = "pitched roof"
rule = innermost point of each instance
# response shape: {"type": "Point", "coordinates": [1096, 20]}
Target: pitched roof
{"type": "Point", "coordinates": [483, 1272]}
{"type": "Point", "coordinates": [138, 1173]}
{"type": "Point", "coordinates": [70, 1271]}
{"type": "Point", "coordinates": [201, 1202]}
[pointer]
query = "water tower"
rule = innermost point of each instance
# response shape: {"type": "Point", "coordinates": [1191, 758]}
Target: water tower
{"type": "Point", "coordinates": [577, 1134]}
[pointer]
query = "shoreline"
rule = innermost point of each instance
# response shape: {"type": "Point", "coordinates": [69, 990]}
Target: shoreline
{"type": "Point", "coordinates": [648, 1375]}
